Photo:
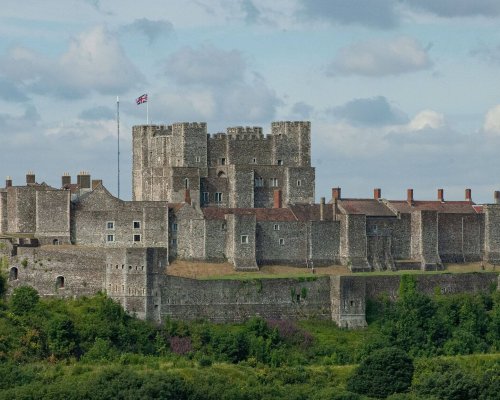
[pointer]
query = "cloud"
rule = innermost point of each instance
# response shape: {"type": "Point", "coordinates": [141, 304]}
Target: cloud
{"type": "Point", "coordinates": [379, 58]}
{"type": "Point", "coordinates": [216, 85]}
{"type": "Point", "coordinates": [94, 62]}
{"type": "Point", "coordinates": [372, 13]}
{"type": "Point", "coordinates": [491, 124]}
{"type": "Point", "coordinates": [11, 92]}
{"type": "Point", "coordinates": [207, 65]}
{"type": "Point", "coordinates": [427, 119]}
{"type": "Point", "coordinates": [302, 110]}
{"type": "Point", "coordinates": [97, 113]}
{"type": "Point", "coordinates": [375, 111]}
{"type": "Point", "coordinates": [488, 54]}
{"type": "Point", "coordinates": [151, 29]}
{"type": "Point", "coordinates": [458, 8]}
{"type": "Point", "coordinates": [252, 13]}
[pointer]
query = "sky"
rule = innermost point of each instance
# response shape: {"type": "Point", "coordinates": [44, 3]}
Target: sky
{"type": "Point", "coordinates": [400, 93]}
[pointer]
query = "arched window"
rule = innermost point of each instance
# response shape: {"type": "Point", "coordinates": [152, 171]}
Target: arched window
{"type": "Point", "coordinates": [186, 183]}
{"type": "Point", "coordinates": [221, 174]}
{"type": "Point", "coordinates": [55, 242]}
{"type": "Point", "coordinates": [60, 282]}
{"type": "Point", "coordinates": [13, 274]}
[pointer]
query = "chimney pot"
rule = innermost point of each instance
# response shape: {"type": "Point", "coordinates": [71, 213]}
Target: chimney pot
{"type": "Point", "coordinates": [277, 199]}
{"type": "Point", "coordinates": [468, 195]}
{"type": "Point", "coordinates": [441, 195]}
{"type": "Point", "coordinates": [409, 196]}
{"type": "Point", "coordinates": [8, 182]}
{"type": "Point", "coordinates": [336, 193]}
{"type": "Point", "coordinates": [377, 193]}
{"type": "Point", "coordinates": [497, 197]}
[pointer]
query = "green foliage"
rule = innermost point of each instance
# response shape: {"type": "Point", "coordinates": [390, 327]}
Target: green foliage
{"type": "Point", "coordinates": [383, 373]}
{"type": "Point", "coordinates": [24, 262]}
{"type": "Point", "coordinates": [24, 299]}
{"type": "Point", "coordinates": [62, 337]}
{"type": "Point", "coordinates": [3, 284]}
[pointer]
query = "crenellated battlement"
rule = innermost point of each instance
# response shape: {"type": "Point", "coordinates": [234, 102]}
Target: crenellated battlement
{"type": "Point", "coordinates": [189, 125]}
{"type": "Point", "coordinates": [245, 130]}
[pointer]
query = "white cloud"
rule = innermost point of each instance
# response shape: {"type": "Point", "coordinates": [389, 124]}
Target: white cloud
{"type": "Point", "coordinates": [492, 121]}
{"type": "Point", "coordinates": [94, 61]}
{"type": "Point", "coordinates": [149, 28]}
{"type": "Point", "coordinates": [381, 57]}
{"type": "Point", "coordinates": [426, 119]}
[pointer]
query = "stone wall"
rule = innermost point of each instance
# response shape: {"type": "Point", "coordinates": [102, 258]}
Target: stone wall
{"type": "Point", "coordinates": [492, 233]}
{"type": "Point", "coordinates": [232, 300]}
{"type": "Point", "coordinates": [241, 241]}
{"type": "Point", "coordinates": [283, 242]}
{"type": "Point", "coordinates": [53, 216]}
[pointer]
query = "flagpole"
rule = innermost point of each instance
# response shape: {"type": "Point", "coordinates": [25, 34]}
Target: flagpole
{"type": "Point", "coordinates": [118, 139]}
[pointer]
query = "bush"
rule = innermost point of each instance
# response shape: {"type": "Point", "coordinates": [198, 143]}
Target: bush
{"type": "Point", "coordinates": [382, 373]}
{"type": "Point", "coordinates": [24, 299]}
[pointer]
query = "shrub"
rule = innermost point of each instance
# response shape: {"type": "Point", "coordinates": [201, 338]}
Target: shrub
{"type": "Point", "coordinates": [24, 299]}
{"type": "Point", "coordinates": [382, 373]}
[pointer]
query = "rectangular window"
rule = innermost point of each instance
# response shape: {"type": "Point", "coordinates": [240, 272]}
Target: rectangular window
{"type": "Point", "coordinates": [280, 162]}
{"type": "Point", "coordinates": [223, 226]}
{"type": "Point", "coordinates": [174, 227]}
{"type": "Point", "coordinates": [244, 239]}
{"type": "Point", "coordinates": [273, 182]}
{"type": "Point", "coordinates": [206, 197]}
{"type": "Point", "coordinates": [110, 238]}
{"type": "Point", "coordinates": [259, 182]}
{"type": "Point", "coordinates": [137, 238]}
{"type": "Point", "coordinates": [218, 197]}
{"type": "Point", "coordinates": [276, 227]}
{"type": "Point", "coordinates": [198, 159]}
{"type": "Point", "coordinates": [137, 224]}
{"type": "Point", "coordinates": [222, 161]}
{"type": "Point", "coordinates": [282, 242]}
{"type": "Point", "coordinates": [173, 242]}
{"type": "Point", "coordinates": [110, 225]}
{"type": "Point", "coordinates": [299, 182]}
{"type": "Point", "coordinates": [254, 161]}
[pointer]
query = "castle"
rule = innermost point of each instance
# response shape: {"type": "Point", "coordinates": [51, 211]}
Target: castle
{"type": "Point", "coordinates": [240, 197]}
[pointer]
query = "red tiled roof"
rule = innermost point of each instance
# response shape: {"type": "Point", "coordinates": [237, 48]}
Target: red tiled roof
{"type": "Point", "coordinates": [261, 214]}
{"type": "Point", "coordinates": [449, 207]}
{"type": "Point", "coordinates": [175, 206]}
{"type": "Point", "coordinates": [311, 212]}
{"type": "Point", "coordinates": [368, 207]}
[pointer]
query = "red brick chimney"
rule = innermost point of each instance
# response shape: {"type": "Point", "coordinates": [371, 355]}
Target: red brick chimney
{"type": "Point", "coordinates": [377, 194]}
{"type": "Point", "coordinates": [187, 196]}
{"type": "Point", "coordinates": [409, 196]}
{"type": "Point", "coordinates": [336, 193]}
{"type": "Point", "coordinates": [441, 195]}
{"type": "Point", "coordinates": [468, 195]}
{"type": "Point", "coordinates": [277, 199]}
{"type": "Point", "coordinates": [96, 182]}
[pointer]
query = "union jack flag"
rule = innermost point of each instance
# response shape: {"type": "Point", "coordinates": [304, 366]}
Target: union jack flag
{"type": "Point", "coordinates": [142, 99]}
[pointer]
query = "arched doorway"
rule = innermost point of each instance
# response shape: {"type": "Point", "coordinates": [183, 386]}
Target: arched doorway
{"type": "Point", "coordinates": [13, 274]}
{"type": "Point", "coordinates": [60, 282]}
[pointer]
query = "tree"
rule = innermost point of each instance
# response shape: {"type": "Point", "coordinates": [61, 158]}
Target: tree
{"type": "Point", "coordinates": [382, 373]}
{"type": "Point", "coordinates": [24, 299]}
{"type": "Point", "coordinates": [61, 336]}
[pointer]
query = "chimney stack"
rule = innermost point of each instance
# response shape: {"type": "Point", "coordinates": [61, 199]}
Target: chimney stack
{"type": "Point", "coordinates": [336, 193]}
{"type": "Point", "coordinates": [96, 182]}
{"type": "Point", "coordinates": [8, 182]}
{"type": "Point", "coordinates": [65, 180]}
{"type": "Point", "coordinates": [441, 195]}
{"type": "Point", "coordinates": [83, 180]}
{"type": "Point", "coordinates": [277, 199]}
{"type": "Point", "coordinates": [377, 194]}
{"type": "Point", "coordinates": [322, 209]}
{"type": "Point", "coordinates": [468, 195]}
{"type": "Point", "coordinates": [187, 196]}
{"type": "Point", "coordinates": [30, 178]}
{"type": "Point", "coordinates": [497, 197]}
{"type": "Point", "coordinates": [409, 196]}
